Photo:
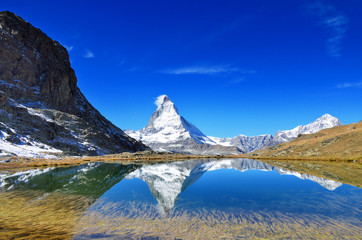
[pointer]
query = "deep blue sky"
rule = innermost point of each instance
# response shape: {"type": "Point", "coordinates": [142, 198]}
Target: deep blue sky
{"type": "Point", "coordinates": [231, 67]}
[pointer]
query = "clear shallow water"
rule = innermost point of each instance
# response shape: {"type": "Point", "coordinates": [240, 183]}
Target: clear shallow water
{"type": "Point", "coordinates": [199, 199]}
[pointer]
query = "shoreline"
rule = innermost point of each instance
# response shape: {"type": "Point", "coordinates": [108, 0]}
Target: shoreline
{"type": "Point", "coordinates": [146, 157]}
{"type": "Point", "coordinates": [123, 158]}
{"type": "Point", "coordinates": [346, 171]}
{"type": "Point", "coordinates": [321, 159]}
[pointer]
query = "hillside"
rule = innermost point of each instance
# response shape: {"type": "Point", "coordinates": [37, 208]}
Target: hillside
{"type": "Point", "coordinates": [43, 113]}
{"type": "Point", "coordinates": [338, 143]}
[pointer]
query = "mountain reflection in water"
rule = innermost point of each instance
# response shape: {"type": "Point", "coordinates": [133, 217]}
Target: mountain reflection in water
{"type": "Point", "coordinates": [167, 181]}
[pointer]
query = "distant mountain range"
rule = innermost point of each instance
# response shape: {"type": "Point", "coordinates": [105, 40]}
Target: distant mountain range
{"type": "Point", "coordinates": [168, 131]}
{"type": "Point", "coordinates": [249, 144]}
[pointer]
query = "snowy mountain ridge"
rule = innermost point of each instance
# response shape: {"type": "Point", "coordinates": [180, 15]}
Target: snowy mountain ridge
{"type": "Point", "coordinates": [325, 121]}
{"type": "Point", "coordinates": [253, 143]}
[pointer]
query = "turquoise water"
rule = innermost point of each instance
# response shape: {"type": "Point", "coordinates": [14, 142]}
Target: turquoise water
{"type": "Point", "coordinates": [215, 191]}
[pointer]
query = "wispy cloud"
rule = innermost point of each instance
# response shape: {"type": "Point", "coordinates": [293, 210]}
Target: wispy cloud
{"type": "Point", "coordinates": [333, 20]}
{"type": "Point", "coordinates": [204, 70]}
{"type": "Point", "coordinates": [350, 85]}
{"type": "Point", "coordinates": [237, 80]}
{"type": "Point", "coordinates": [135, 68]}
{"type": "Point", "coordinates": [69, 48]}
{"type": "Point", "coordinates": [88, 54]}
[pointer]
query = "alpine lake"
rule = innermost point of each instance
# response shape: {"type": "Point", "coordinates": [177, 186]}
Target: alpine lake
{"type": "Point", "coordinates": [193, 199]}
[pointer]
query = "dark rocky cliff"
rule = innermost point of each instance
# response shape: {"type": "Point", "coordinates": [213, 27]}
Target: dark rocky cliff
{"type": "Point", "coordinates": [40, 103]}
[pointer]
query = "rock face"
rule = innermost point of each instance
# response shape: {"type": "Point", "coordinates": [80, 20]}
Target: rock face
{"type": "Point", "coordinates": [168, 131]}
{"type": "Point", "coordinates": [253, 143]}
{"type": "Point", "coordinates": [42, 111]}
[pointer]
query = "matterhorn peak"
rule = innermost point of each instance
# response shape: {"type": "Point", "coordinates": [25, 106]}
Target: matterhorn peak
{"type": "Point", "coordinates": [168, 131]}
{"type": "Point", "coordinates": [165, 117]}
{"type": "Point", "coordinates": [164, 104]}
{"type": "Point", "coordinates": [162, 99]}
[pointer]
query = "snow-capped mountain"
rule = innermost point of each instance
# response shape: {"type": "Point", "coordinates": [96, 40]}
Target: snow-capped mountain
{"type": "Point", "coordinates": [253, 143]}
{"type": "Point", "coordinates": [325, 121]}
{"type": "Point", "coordinates": [168, 131]}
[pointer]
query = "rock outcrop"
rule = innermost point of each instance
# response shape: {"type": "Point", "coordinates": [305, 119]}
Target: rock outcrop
{"type": "Point", "coordinates": [42, 111]}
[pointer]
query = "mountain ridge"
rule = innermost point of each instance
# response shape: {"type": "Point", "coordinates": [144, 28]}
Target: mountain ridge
{"type": "Point", "coordinates": [253, 143]}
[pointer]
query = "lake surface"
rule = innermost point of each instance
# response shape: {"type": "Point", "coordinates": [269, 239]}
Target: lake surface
{"type": "Point", "coordinates": [194, 199]}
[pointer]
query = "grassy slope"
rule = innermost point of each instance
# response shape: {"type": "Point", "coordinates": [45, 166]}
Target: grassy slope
{"type": "Point", "coordinates": [338, 143]}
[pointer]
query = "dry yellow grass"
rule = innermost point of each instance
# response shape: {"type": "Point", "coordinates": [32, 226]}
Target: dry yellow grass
{"type": "Point", "coordinates": [37, 215]}
{"type": "Point", "coordinates": [33, 215]}
{"type": "Point", "coordinates": [338, 143]}
{"type": "Point", "coordinates": [145, 157]}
